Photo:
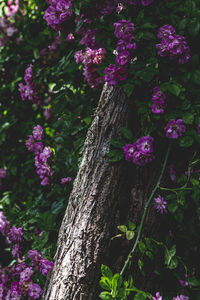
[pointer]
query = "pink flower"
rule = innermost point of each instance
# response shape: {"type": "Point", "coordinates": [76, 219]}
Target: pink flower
{"type": "Point", "coordinates": [65, 179]}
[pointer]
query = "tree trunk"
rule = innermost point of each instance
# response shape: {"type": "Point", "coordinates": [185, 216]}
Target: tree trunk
{"type": "Point", "coordinates": [104, 195]}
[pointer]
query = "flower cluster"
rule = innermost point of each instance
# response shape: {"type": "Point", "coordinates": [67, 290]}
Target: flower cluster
{"type": "Point", "coordinates": [16, 281]}
{"type": "Point", "coordinates": [123, 31]}
{"type": "Point", "coordinates": [7, 30]}
{"type": "Point", "coordinates": [13, 6]}
{"type": "Point", "coordinates": [90, 58]}
{"type": "Point", "coordinates": [28, 91]}
{"type": "Point", "coordinates": [58, 12]}
{"type": "Point", "coordinates": [158, 99]}
{"type": "Point", "coordinates": [175, 129]}
{"type": "Point", "coordinates": [42, 154]}
{"type": "Point", "coordinates": [12, 234]}
{"type": "Point", "coordinates": [141, 152]}
{"type": "Point", "coordinates": [173, 45]}
{"type": "Point", "coordinates": [160, 204]}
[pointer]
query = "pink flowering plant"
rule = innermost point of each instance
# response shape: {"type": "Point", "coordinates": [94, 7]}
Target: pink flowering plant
{"type": "Point", "coordinates": [55, 57]}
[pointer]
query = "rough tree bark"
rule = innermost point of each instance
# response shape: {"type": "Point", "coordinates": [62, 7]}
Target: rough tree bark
{"type": "Point", "coordinates": [103, 195]}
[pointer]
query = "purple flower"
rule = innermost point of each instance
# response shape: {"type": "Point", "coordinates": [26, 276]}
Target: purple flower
{"type": "Point", "coordinates": [157, 94]}
{"type": "Point", "coordinates": [30, 143]}
{"type": "Point", "coordinates": [181, 297]}
{"type": "Point", "coordinates": [158, 107]}
{"type": "Point", "coordinates": [37, 147]}
{"type": "Point", "coordinates": [44, 156]}
{"type": "Point", "coordinates": [183, 283]}
{"type": "Point", "coordinates": [15, 235]}
{"type": "Point", "coordinates": [4, 224]}
{"type": "Point", "coordinates": [174, 129]}
{"type": "Point", "coordinates": [157, 297]}
{"type": "Point", "coordinates": [38, 132]}
{"type": "Point", "coordinates": [3, 173]}
{"type": "Point", "coordinates": [165, 31]}
{"type": "Point", "coordinates": [45, 181]}
{"type": "Point", "coordinates": [173, 45]}
{"type": "Point", "coordinates": [142, 159]}
{"type": "Point", "coordinates": [28, 77]}
{"type": "Point", "coordinates": [65, 179]}
{"type": "Point", "coordinates": [123, 45]}
{"type": "Point", "coordinates": [123, 29]}
{"type": "Point", "coordinates": [123, 58]}
{"type": "Point", "coordinates": [34, 291]}
{"type": "Point", "coordinates": [160, 204]}
{"type": "Point", "coordinates": [145, 145]}
{"type": "Point", "coordinates": [129, 150]}
{"type": "Point", "coordinates": [46, 266]}
{"type": "Point", "coordinates": [114, 74]}
{"type": "Point", "coordinates": [26, 274]}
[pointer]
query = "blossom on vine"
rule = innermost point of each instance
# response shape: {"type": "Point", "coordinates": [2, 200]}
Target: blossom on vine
{"type": "Point", "coordinates": [160, 204]}
{"type": "Point", "coordinates": [145, 144]}
{"type": "Point", "coordinates": [34, 291]}
{"type": "Point", "coordinates": [29, 90]}
{"type": "Point", "coordinates": [38, 132]}
{"type": "Point", "coordinates": [140, 153]}
{"type": "Point", "coordinates": [173, 45]}
{"type": "Point", "coordinates": [175, 129]}
{"type": "Point", "coordinates": [114, 74]}
{"type": "Point", "coordinates": [181, 297]}
{"type": "Point", "coordinates": [129, 150]}
{"type": "Point", "coordinates": [123, 58]}
{"type": "Point", "coordinates": [158, 107]}
{"type": "Point", "coordinates": [157, 297]}
{"type": "Point", "coordinates": [123, 29]}
{"type": "Point", "coordinates": [58, 12]}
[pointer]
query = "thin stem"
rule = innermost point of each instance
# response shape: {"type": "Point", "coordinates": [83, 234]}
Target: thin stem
{"type": "Point", "coordinates": [177, 189]}
{"type": "Point", "coordinates": [144, 213]}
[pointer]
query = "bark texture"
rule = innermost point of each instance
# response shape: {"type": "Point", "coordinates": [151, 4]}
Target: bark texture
{"type": "Point", "coordinates": [85, 231]}
{"type": "Point", "coordinates": [104, 195]}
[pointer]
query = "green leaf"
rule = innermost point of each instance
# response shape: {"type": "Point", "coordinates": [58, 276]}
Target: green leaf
{"type": "Point", "coordinates": [122, 228]}
{"type": "Point", "coordinates": [140, 296]}
{"type": "Point", "coordinates": [127, 133]}
{"type": "Point", "coordinates": [196, 77]}
{"type": "Point", "coordinates": [115, 155]}
{"type": "Point", "coordinates": [142, 247]}
{"type": "Point", "coordinates": [106, 271]}
{"type": "Point", "coordinates": [128, 89]}
{"type": "Point", "coordinates": [130, 235]}
{"type": "Point", "coordinates": [105, 284]}
{"type": "Point", "coordinates": [193, 281]}
{"type": "Point", "coordinates": [173, 263]}
{"type": "Point", "coordinates": [188, 118]}
{"type": "Point", "coordinates": [131, 226]}
{"type": "Point", "coordinates": [105, 296]}
{"type": "Point", "coordinates": [117, 281]}
{"type": "Point", "coordinates": [186, 141]}
{"type": "Point", "coordinates": [174, 89]}
{"type": "Point", "coordinates": [117, 143]}
{"type": "Point", "coordinates": [149, 254]}
{"type": "Point", "coordinates": [169, 255]}
{"type": "Point", "coordinates": [172, 206]}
